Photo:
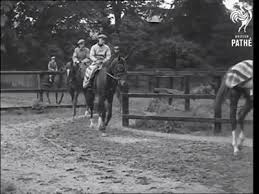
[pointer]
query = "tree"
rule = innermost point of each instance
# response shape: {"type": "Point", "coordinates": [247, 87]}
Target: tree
{"type": "Point", "coordinates": [189, 35]}
{"type": "Point", "coordinates": [33, 30]}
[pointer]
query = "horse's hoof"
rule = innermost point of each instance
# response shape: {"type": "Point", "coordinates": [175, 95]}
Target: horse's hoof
{"type": "Point", "coordinates": [104, 134]}
{"type": "Point", "coordinates": [236, 150]}
{"type": "Point", "coordinates": [239, 147]}
{"type": "Point", "coordinates": [87, 114]}
{"type": "Point", "coordinates": [91, 126]}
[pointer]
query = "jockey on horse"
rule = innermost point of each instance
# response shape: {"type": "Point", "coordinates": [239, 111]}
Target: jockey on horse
{"type": "Point", "coordinates": [81, 53]}
{"type": "Point", "coordinates": [100, 54]}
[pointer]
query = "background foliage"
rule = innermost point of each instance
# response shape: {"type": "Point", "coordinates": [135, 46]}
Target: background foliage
{"type": "Point", "coordinates": [192, 34]}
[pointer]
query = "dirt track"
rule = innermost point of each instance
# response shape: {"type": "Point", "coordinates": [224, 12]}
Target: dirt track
{"type": "Point", "coordinates": [49, 153]}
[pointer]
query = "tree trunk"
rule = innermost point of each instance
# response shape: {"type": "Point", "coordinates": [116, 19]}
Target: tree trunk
{"type": "Point", "coordinates": [117, 9]}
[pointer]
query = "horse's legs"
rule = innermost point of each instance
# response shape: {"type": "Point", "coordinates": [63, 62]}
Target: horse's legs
{"type": "Point", "coordinates": [56, 95]}
{"type": "Point", "coordinates": [72, 94]}
{"type": "Point", "coordinates": [101, 113]}
{"type": "Point", "coordinates": [118, 95]}
{"type": "Point", "coordinates": [89, 99]}
{"type": "Point", "coordinates": [109, 110]}
{"type": "Point", "coordinates": [241, 116]}
{"type": "Point", "coordinates": [86, 103]}
{"type": "Point", "coordinates": [61, 98]}
{"type": "Point", "coordinates": [234, 97]}
{"type": "Point", "coordinates": [47, 94]}
{"type": "Point", "coordinates": [75, 103]}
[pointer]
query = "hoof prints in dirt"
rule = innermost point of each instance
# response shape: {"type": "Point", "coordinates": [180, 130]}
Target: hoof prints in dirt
{"type": "Point", "coordinates": [179, 159]}
{"type": "Point", "coordinates": [127, 156]}
{"type": "Point", "coordinates": [143, 181]}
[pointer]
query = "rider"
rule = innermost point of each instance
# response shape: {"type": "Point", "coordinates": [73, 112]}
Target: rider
{"type": "Point", "coordinates": [81, 53]}
{"type": "Point", "coordinates": [100, 53]}
{"type": "Point", "coordinates": [52, 66]}
{"type": "Point", "coordinates": [116, 52]}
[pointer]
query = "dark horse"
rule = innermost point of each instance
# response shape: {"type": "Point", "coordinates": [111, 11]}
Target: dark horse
{"type": "Point", "coordinates": [75, 75]}
{"type": "Point", "coordinates": [58, 82]}
{"type": "Point", "coordinates": [242, 87]}
{"type": "Point", "coordinates": [105, 84]}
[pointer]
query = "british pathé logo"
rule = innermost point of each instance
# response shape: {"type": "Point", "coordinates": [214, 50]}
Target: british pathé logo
{"type": "Point", "coordinates": [242, 14]}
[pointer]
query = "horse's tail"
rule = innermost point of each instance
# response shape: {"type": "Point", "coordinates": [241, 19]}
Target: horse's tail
{"type": "Point", "coordinates": [220, 97]}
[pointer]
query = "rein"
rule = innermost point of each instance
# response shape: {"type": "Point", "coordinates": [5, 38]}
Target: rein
{"type": "Point", "coordinates": [116, 78]}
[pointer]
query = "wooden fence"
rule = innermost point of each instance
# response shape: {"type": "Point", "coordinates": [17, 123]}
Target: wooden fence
{"type": "Point", "coordinates": [185, 76]}
{"type": "Point", "coordinates": [152, 75]}
{"type": "Point", "coordinates": [39, 90]}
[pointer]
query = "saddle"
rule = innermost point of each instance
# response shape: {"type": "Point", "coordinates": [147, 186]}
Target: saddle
{"type": "Point", "coordinates": [95, 71]}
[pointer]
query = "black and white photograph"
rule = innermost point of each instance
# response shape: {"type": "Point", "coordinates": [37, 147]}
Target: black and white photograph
{"type": "Point", "coordinates": [127, 96]}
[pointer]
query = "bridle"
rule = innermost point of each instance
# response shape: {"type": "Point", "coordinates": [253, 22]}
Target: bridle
{"type": "Point", "coordinates": [117, 76]}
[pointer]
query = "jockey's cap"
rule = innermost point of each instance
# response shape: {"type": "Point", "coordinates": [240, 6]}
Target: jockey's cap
{"type": "Point", "coordinates": [102, 36]}
{"type": "Point", "coordinates": [53, 57]}
{"type": "Point", "coordinates": [116, 48]}
{"type": "Point", "coordinates": [81, 41]}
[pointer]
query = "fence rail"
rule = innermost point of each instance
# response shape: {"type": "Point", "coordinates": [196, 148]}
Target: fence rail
{"type": "Point", "coordinates": [31, 90]}
{"type": "Point", "coordinates": [186, 119]}
{"type": "Point", "coordinates": [174, 73]}
{"type": "Point", "coordinates": [126, 115]}
{"type": "Point", "coordinates": [185, 96]}
{"type": "Point", "coordinates": [29, 72]}
{"type": "Point", "coordinates": [45, 106]}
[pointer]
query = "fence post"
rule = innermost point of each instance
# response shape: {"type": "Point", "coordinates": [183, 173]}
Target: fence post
{"type": "Point", "coordinates": [187, 91]}
{"type": "Point", "coordinates": [149, 83]}
{"type": "Point", "coordinates": [218, 83]}
{"type": "Point", "coordinates": [39, 87]}
{"type": "Point", "coordinates": [172, 87]}
{"type": "Point", "coordinates": [157, 82]}
{"type": "Point", "coordinates": [182, 83]}
{"type": "Point", "coordinates": [218, 125]}
{"type": "Point", "coordinates": [38, 84]}
{"type": "Point", "coordinates": [125, 106]}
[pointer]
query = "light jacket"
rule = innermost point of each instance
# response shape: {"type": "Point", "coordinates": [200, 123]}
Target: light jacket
{"type": "Point", "coordinates": [102, 53]}
{"type": "Point", "coordinates": [80, 54]}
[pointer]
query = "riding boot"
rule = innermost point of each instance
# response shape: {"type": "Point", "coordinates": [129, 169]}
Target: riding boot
{"type": "Point", "coordinates": [86, 81]}
{"type": "Point", "coordinates": [88, 84]}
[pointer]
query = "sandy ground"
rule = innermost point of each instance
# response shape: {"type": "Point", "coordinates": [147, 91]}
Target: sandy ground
{"type": "Point", "coordinates": [48, 153]}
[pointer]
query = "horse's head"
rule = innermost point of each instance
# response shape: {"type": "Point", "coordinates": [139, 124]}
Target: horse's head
{"type": "Point", "coordinates": [119, 71]}
{"type": "Point", "coordinates": [71, 69]}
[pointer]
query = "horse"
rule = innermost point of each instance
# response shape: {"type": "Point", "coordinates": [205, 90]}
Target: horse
{"type": "Point", "coordinates": [58, 82]}
{"type": "Point", "coordinates": [237, 82]}
{"type": "Point", "coordinates": [105, 83]}
{"type": "Point", "coordinates": [75, 75]}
